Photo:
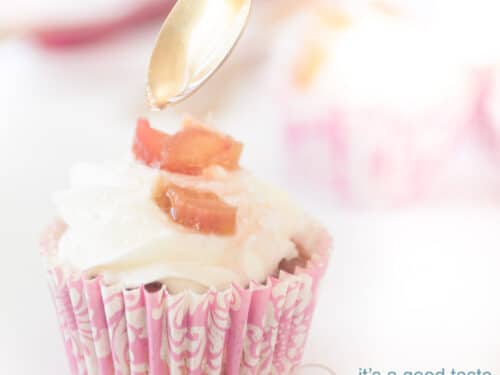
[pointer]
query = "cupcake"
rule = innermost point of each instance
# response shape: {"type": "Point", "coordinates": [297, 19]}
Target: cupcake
{"type": "Point", "coordinates": [178, 261]}
{"type": "Point", "coordinates": [373, 103]}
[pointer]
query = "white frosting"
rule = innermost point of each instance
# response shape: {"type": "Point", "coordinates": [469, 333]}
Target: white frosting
{"type": "Point", "coordinates": [115, 228]}
{"type": "Point", "coordinates": [471, 28]}
{"type": "Point", "coordinates": [373, 63]}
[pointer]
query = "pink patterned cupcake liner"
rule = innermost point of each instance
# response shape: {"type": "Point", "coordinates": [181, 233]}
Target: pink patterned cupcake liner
{"type": "Point", "coordinates": [372, 157]}
{"type": "Point", "coordinates": [261, 329]}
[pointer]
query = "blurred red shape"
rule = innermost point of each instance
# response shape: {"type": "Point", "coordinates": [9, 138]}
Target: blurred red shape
{"type": "Point", "coordinates": [55, 36]}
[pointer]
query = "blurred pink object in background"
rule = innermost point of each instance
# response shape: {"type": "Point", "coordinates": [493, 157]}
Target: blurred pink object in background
{"type": "Point", "coordinates": [63, 23]}
{"type": "Point", "coordinates": [490, 109]}
{"type": "Point", "coordinates": [64, 35]}
{"type": "Point", "coordinates": [373, 104]}
{"type": "Point", "coordinates": [473, 28]}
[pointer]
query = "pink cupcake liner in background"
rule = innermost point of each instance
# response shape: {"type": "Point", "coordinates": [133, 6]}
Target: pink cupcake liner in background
{"type": "Point", "coordinates": [261, 329]}
{"type": "Point", "coordinates": [371, 157]}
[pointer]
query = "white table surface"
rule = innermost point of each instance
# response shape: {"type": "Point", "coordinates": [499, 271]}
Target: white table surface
{"type": "Point", "coordinates": [409, 289]}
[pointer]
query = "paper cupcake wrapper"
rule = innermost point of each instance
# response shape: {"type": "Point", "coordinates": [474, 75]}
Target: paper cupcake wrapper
{"type": "Point", "coordinates": [261, 329]}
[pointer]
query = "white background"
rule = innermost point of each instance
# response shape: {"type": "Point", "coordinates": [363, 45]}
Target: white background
{"type": "Point", "coordinates": [408, 289]}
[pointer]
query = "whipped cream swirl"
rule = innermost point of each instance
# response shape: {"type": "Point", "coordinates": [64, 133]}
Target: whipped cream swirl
{"type": "Point", "coordinates": [116, 230]}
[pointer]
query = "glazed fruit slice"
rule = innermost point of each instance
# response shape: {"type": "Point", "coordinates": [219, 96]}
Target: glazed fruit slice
{"type": "Point", "coordinates": [203, 212]}
{"type": "Point", "coordinates": [150, 145]}
{"type": "Point", "coordinates": [189, 151]}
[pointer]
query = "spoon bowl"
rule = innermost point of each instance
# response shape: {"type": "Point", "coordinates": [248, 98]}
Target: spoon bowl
{"type": "Point", "coordinates": [194, 41]}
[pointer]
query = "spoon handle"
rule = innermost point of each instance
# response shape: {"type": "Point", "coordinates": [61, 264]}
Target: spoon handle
{"type": "Point", "coordinates": [194, 41]}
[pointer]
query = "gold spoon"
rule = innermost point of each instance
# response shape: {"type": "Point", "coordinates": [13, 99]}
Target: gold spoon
{"type": "Point", "coordinates": [194, 41]}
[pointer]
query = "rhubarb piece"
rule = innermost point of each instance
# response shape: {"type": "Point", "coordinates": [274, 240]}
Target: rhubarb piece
{"type": "Point", "coordinates": [189, 151]}
{"type": "Point", "coordinates": [150, 145]}
{"type": "Point", "coordinates": [203, 212]}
